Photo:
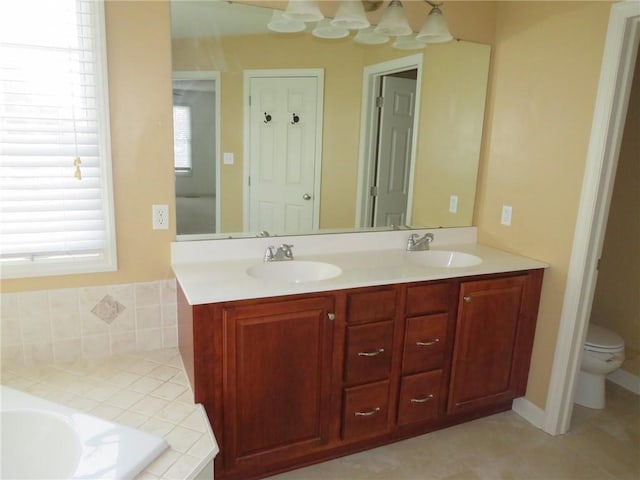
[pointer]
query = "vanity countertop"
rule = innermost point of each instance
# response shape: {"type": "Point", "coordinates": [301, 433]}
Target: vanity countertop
{"type": "Point", "coordinates": [215, 280]}
{"type": "Point", "coordinates": [148, 391]}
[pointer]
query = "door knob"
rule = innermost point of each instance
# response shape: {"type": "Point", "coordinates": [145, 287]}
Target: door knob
{"type": "Point", "coordinates": [306, 196]}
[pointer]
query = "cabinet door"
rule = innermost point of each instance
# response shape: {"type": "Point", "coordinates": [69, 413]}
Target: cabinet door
{"type": "Point", "coordinates": [489, 313]}
{"type": "Point", "coordinates": [277, 379]}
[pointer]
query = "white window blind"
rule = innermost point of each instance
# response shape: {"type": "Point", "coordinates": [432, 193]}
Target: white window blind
{"type": "Point", "coordinates": [182, 138]}
{"type": "Point", "coordinates": [55, 170]}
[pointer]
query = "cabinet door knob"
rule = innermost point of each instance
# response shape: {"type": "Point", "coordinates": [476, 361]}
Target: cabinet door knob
{"type": "Point", "coordinates": [428, 343]}
{"type": "Point", "coordinates": [367, 414]}
{"type": "Point", "coordinates": [423, 399]}
{"type": "Point", "coordinates": [371, 354]}
{"type": "Point", "coordinates": [331, 316]}
{"type": "Point", "coordinates": [467, 298]}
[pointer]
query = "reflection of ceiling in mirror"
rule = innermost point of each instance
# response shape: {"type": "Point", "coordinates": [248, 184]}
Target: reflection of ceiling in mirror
{"type": "Point", "coordinates": [192, 19]}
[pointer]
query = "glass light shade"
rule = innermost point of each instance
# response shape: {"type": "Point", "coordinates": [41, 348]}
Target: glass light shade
{"type": "Point", "coordinates": [367, 36]}
{"type": "Point", "coordinates": [350, 15]}
{"type": "Point", "coordinates": [324, 29]}
{"type": "Point", "coordinates": [409, 42]}
{"type": "Point", "coordinates": [279, 23]}
{"type": "Point", "coordinates": [303, 10]}
{"type": "Point", "coordinates": [435, 28]}
{"type": "Point", "coordinates": [394, 22]}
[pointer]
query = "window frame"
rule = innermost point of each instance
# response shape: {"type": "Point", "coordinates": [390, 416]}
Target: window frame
{"type": "Point", "coordinates": [63, 264]}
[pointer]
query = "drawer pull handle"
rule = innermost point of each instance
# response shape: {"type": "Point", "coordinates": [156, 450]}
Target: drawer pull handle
{"type": "Point", "coordinates": [367, 414]}
{"type": "Point", "coordinates": [371, 354]}
{"type": "Point", "coordinates": [428, 343]}
{"type": "Point", "coordinates": [423, 399]}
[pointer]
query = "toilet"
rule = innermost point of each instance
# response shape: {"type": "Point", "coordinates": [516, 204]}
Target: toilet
{"type": "Point", "coordinates": [603, 353]}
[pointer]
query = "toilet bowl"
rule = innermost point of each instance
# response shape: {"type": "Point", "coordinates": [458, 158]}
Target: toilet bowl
{"type": "Point", "coordinates": [603, 353]}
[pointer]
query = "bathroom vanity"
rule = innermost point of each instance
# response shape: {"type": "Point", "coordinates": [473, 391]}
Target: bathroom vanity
{"type": "Point", "coordinates": [332, 367]}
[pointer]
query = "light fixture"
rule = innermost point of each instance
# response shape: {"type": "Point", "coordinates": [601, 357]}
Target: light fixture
{"type": "Point", "coordinates": [350, 15]}
{"type": "Point", "coordinates": [279, 23]}
{"type": "Point", "coordinates": [325, 29]}
{"type": "Point", "coordinates": [367, 36]}
{"type": "Point", "coordinates": [394, 21]}
{"type": "Point", "coordinates": [303, 10]}
{"type": "Point", "coordinates": [435, 28]}
{"type": "Point", "coordinates": [408, 42]}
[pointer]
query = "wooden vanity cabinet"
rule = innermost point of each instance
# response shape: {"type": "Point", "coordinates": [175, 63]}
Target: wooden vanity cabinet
{"type": "Point", "coordinates": [494, 338]}
{"type": "Point", "coordinates": [372, 317]}
{"type": "Point", "coordinates": [426, 352]}
{"type": "Point", "coordinates": [288, 381]}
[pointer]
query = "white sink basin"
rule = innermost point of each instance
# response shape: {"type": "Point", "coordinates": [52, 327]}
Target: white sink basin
{"type": "Point", "coordinates": [443, 259]}
{"type": "Point", "coordinates": [295, 271]}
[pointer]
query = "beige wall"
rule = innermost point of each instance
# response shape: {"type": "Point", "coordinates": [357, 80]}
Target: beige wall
{"type": "Point", "coordinates": [451, 119]}
{"type": "Point", "coordinates": [139, 62]}
{"type": "Point", "coordinates": [546, 67]}
{"type": "Point", "coordinates": [617, 299]}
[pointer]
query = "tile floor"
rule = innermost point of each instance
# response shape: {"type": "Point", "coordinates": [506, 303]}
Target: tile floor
{"type": "Point", "coordinates": [601, 445]}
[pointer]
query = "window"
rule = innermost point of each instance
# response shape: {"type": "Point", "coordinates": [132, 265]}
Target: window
{"type": "Point", "coordinates": [182, 138]}
{"type": "Point", "coordinates": [55, 168]}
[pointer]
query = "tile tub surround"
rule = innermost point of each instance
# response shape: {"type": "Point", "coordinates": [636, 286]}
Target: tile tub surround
{"type": "Point", "coordinates": [148, 391]}
{"type": "Point", "coordinates": [89, 322]}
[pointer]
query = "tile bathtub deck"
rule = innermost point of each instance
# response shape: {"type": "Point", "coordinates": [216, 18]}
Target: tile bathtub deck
{"type": "Point", "coordinates": [148, 391]}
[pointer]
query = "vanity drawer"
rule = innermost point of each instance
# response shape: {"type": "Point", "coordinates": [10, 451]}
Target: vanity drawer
{"type": "Point", "coordinates": [425, 299]}
{"type": "Point", "coordinates": [424, 343]}
{"type": "Point", "coordinates": [365, 410]}
{"type": "Point", "coordinates": [373, 305]}
{"type": "Point", "coordinates": [368, 352]}
{"type": "Point", "coordinates": [419, 397]}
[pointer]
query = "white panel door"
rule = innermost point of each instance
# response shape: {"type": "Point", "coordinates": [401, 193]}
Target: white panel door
{"type": "Point", "coordinates": [394, 151]}
{"type": "Point", "coordinates": [282, 156]}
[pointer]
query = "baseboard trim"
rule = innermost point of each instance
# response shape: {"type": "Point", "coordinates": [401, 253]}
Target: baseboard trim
{"type": "Point", "coordinates": [626, 380]}
{"type": "Point", "coordinates": [530, 412]}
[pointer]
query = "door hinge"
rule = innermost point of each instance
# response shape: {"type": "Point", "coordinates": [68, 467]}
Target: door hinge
{"type": "Point", "coordinates": [373, 191]}
{"type": "Point", "coordinates": [249, 100]}
{"type": "Point", "coordinates": [379, 101]}
{"type": "Point", "coordinates": [249, 180]}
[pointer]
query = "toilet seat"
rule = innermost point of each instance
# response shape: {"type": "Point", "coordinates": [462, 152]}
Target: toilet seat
{"type": "Point", "coordinates": [603, 340]}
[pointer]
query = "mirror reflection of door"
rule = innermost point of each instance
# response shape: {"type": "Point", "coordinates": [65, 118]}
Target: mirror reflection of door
{"type": "Point", "coordinates": [283, 140]}
{"type": "Point", "coordinates": [393, 154]}
{"type": "Point", "coordinates": [194, 125]}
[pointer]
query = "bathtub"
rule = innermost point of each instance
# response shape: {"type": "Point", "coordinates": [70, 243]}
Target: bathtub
{"type": "Point", "coordinates": [41, 439]}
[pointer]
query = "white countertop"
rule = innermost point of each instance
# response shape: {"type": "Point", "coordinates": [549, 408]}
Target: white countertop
{"type": "Point", "coordinates": [209, 281]}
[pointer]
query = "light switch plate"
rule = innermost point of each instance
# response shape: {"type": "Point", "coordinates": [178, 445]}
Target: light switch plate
{"type": "Point", "coordinates": [505, 219]}
{"type": "Point", "coordinates": [227, 158]}
{"type": "Point", "coordinates": [453, 203]}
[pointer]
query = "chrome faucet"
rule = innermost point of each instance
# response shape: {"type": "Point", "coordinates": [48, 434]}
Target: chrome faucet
{"type": "Point", "coordinates": [284, 252]}
{"type": "Point", "coordinates": [416, 243]}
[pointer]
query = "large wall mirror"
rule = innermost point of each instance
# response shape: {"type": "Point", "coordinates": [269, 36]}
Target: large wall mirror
{"type": "Point", "coordinates": [316, 98]}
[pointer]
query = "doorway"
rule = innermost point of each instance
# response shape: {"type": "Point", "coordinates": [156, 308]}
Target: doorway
{"type": "Point", "coordinates": [283, 140]}
{"type": "Point", "coordinates": [620, 53]}
{"type": "Point", "coordinates": [388, 139]}
{"type": "Point", "coordinates": [196, 127]}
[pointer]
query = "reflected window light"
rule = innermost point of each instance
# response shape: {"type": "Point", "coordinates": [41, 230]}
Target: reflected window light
{"type": "Point", "coordinates": [182, 138]}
